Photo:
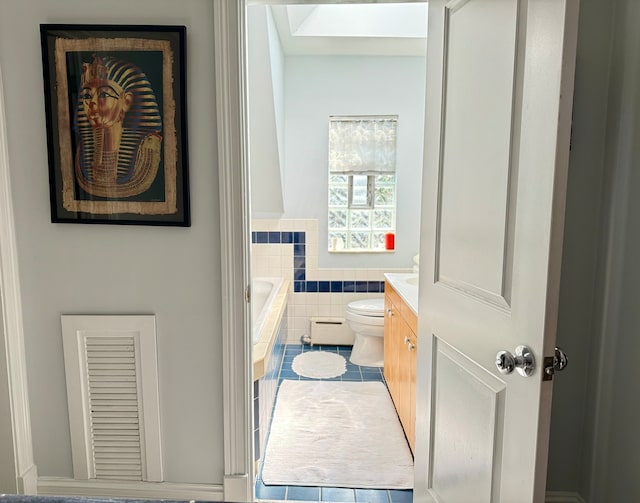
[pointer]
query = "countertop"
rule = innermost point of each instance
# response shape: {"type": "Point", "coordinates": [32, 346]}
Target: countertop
{"type": "Point", "coordinates": [406, 284]}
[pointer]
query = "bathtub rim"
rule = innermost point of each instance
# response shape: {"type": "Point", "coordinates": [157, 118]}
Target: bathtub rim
{"type": "Point", "coordinates": [263, 348]}
{"type": "Point", "coordinates": [259, 322]}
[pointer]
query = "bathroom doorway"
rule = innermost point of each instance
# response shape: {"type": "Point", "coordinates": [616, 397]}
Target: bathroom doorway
{"type": "Point", "coordinates": [564, 31]}
{"type": "Point", "coordinates": [308, 73]}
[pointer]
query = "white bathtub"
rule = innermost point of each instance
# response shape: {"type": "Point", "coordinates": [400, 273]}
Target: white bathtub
{"type": "Point", "coordinates": [269, 316]}
{"type": "Point", "coordinates": [263, 293]}
{"type": "Point", "coordinates": [268, 305]}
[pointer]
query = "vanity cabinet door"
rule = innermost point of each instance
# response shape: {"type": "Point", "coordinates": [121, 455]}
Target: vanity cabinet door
{"type": "Point", "coordinates": [405, 398]}
{"type": "Point", "coordinates": [390, 349]}
{"type": "Point", "coordinates": [400, 347]}
{"type": "Point", "coordinates": [412, 349]}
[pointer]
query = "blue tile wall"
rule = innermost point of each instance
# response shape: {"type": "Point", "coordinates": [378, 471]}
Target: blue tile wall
{"type": "Point", "coordinates": [300, 282]}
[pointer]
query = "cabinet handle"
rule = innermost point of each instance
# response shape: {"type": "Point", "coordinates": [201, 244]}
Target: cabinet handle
{"type": "Point", "coordinates": [406, 339]}
{"type": "Point", "coordinates": [411, 347]}
{"type": "Point", "coordinates": [389, 312]}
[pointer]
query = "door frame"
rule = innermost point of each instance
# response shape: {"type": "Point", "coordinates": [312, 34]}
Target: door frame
{"type": "Point", "coordinates": [21, 476]}
{"type": "Point", "coordinates": [231, 102]}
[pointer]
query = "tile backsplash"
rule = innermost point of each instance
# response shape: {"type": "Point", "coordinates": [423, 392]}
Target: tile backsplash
{"type": "Point", "coordinates": [289, 249]}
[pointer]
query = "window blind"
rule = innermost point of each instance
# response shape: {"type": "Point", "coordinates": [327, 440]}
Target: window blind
{"type": "Point", "coordinates": [362, 145]}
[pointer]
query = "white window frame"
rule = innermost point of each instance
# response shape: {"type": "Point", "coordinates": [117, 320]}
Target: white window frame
{"type": "Point", "coordinates": [341, 239]}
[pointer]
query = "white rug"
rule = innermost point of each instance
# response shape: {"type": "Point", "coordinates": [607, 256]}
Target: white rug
{"type": "Point", "coordinates": [337, 434]}
{"type": "Point", "coordinates": [319, 364]}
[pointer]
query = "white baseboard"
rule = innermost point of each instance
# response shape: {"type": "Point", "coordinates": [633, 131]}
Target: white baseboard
{"type": "Point", "coordinates": [28, 481]}
{"type": "Point", "coordinates": [238, 488]}
{"type": "Point", "coordinates": [563, 497]}
{"type": "Point", "coordinates": [54, 486]}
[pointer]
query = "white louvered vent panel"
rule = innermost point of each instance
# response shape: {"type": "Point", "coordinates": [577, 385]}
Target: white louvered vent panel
{"type": "Point", "coordinates": [114, 407]}
{"type": "Point", "coordinates": [112, 391]}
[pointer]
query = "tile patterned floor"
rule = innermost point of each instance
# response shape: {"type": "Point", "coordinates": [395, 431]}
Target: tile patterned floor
{"type": "Point", "coordinates": [333, 494]}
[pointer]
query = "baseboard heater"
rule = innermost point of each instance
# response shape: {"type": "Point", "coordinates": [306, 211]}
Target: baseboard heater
{"type": "Point", "coordinates": [334, 331]}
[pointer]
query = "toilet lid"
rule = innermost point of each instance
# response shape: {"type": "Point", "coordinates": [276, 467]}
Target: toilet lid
{"type": "Point", "coordinates": [367, 307]}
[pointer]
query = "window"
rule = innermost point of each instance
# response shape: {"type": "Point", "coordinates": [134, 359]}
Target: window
{"type": "Point", "coordinates": [362, 181]}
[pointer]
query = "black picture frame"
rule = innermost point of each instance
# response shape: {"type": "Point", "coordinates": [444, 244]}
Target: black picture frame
{"type": "Point", "coordinates": [115, 104]}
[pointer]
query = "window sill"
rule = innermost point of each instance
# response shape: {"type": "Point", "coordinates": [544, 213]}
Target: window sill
{"type": "Point", "coordinates": [360, 251]}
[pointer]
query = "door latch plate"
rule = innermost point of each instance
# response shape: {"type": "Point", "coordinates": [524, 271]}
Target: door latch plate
{"type": "Point", "coordinates": [547, 375]}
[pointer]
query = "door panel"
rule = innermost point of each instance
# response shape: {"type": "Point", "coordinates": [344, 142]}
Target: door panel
{"type": "Point", "coordinates": [476, 132]}
{"type": "Point", "coordinates": [391, 364]}
{"type": "Point", "coordinates": [464, 390]}
{"type": "Point", "coordinates": [499, 96]}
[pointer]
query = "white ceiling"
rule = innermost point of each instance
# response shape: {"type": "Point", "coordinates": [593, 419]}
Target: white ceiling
{"type": "Point", "coordinates": [397, 29]}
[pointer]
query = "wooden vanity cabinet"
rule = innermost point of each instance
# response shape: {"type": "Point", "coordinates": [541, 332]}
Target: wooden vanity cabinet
{"type": "Point", "coordinates": [400, 348]}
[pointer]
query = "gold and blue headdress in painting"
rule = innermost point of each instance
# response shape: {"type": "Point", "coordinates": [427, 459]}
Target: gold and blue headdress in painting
{"type": "Point", "coordinates": [131, 168]}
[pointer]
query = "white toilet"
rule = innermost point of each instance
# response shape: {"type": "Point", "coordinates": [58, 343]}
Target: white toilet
{"type": "Point", "coordinates": [366, 319]}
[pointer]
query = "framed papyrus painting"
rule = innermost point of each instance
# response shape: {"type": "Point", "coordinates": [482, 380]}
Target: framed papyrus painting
{"type": "Point", "coordinates": [116, 123]}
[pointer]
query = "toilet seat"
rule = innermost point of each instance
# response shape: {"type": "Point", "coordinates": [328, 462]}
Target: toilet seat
{"type": "Point", "coordinates": [367, 307]}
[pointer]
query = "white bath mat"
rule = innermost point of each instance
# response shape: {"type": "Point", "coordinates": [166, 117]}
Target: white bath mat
{"type": "Point", "coordinates": [337, 434]}
{"type": "Point", "coordinates": [319, 364]}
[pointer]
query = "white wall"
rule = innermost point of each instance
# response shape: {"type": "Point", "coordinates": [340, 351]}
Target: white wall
{"type": "Point", "coordinates": [266, 127]}
{"type": "Point", "coordinates": [97, 269]}
{"type": "Point", "coordinates": [319, 86]}
{"type": "Point", "coordinates": [277, 59]}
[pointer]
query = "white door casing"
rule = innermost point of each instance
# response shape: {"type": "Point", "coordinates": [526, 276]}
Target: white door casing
{"type": "Point", "coordinates": [499, 98]}
{"type": "Point", "coordinates": [18, 473]}
{"type": "Point", "coordinates": [229, 53]}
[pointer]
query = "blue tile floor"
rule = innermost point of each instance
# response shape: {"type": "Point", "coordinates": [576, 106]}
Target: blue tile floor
{"type": "Point", "coordinates": [334, 494]}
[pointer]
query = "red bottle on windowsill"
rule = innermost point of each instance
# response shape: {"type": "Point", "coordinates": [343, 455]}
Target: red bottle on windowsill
{"type": "Point", "coordinates": [389, 241]}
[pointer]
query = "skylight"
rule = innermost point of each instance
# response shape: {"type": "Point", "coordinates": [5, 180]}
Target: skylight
{"type": "Point", "coordinates": [405, 20]}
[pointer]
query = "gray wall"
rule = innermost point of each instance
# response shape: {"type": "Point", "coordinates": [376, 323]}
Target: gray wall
{"type": "Point", "coordinates": [595, 447]}
{"type": "Point", "coordinates": [612, 434]}
{"type": "Point", "coordinates": [319, 86]}
{"type": "Point", "coordinates": [576, 321]}
{"type": "Point", "coordinates": [98, 269]}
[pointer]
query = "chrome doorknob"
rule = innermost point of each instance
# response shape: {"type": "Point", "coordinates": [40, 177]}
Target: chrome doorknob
{"type": "Point", "coordinates": [560, 360]}
{"type": "Point", "coordinates": [505, 362]}
{"type": "Point", "coordinates": [555, 363]}
{"type": "Point", "coordinates": [523, 361]}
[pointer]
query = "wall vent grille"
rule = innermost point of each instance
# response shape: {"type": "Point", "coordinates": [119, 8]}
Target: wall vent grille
{"type": "Point", "coordinates": [114, 407]}
{"type": "Point", "coordinates": [110, 363]}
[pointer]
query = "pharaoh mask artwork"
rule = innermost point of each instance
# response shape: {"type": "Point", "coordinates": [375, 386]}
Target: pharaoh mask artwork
{"type": "Point", "coordinates": [116, 124]}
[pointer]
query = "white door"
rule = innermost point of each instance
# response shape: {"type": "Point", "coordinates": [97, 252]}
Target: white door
{"type": "Point", "coordinates": [499, 96]}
